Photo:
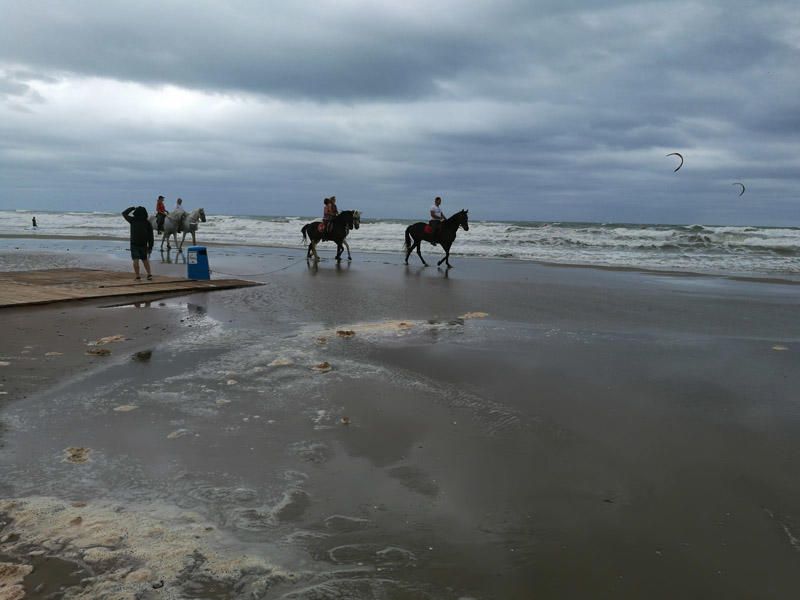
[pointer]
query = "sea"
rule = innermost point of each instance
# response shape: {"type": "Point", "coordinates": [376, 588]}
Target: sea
{"type": "Point", "coordinates": [699, 248]}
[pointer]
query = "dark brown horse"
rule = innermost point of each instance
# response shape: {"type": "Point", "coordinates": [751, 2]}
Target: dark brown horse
{"type": "Point", "coordinates": [340, 227]}
{"type": "Point", "coordinates": [445, 235]}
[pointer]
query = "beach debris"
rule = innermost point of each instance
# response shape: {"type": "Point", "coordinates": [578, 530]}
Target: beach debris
{"type": "Point", "coordinates": [159, 584]}
{"type": "Point", "coordinates": [54, 354]}
{"type": "Point", "coordinates": [76, 455]}
{"type": "Point", "coordinates": [221, 401]}
{"type": "Point", "coordinates": [108, 340]}
{"type": "Point", "coordinates": [4, 363]}
{"type": "Point", "coordinates": [143, 355]}
{"type": "Point", "coordinates": [76, 521]}
{"type": "Point", "coordinates": [474, 315]}
{"type": "Point", "coordinates": [322, 340]}
{"type": "Point", "coordinates": [679, 155]}
{"type": "Point", "coordinates": [231, 382]}
{"type": "Point", "coordinates": [178, 433]}
{"type": "Point", "coordinates": [779, 348]}
{"type": "Point", "coordinates": [345, 333]}
{"type": "Point", "coordinates": [741, 184]}
{"type": "Point", "coordinates": [98, 352]}
{"type": "Point", "coordinates": [125, 408]}
{"type": "Point", "coordinates": [345, 421]}
{"type": "Point", "coordinates": [322, 367]}
{"type": "Point", "coordinates": [281, 362]}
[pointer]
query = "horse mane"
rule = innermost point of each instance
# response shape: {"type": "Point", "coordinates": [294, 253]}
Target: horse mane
{"type": "Point", "coordinates": [344, 213]}
{"type": "Point", "coordinates": [454, 216]}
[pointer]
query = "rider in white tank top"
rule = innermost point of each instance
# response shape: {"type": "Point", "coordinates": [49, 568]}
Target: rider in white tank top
{"type": "Point", "coordinates": [437, 217]}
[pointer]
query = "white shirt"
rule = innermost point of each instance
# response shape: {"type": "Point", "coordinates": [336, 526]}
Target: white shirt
{"type": "Point", "coordinates": [436, 212]}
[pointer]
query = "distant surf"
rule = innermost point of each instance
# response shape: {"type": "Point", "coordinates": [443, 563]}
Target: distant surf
{"type": "Point", "coordinates": [697, 248]}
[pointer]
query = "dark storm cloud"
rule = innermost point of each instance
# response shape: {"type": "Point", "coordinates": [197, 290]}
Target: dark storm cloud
{"type": "Point", "coordinates": [539, 110]}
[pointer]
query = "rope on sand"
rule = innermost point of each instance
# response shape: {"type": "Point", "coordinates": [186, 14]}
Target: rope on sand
{"type": "Point", "coordinates": [289, 266]}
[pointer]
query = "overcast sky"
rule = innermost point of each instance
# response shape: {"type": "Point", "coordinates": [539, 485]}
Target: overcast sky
{"type": "Point", "coordinates": [552, 110]}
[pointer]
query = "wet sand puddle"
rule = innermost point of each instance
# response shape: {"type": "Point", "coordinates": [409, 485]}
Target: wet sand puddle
{"type": "Point", "coordinates": [228, 453]}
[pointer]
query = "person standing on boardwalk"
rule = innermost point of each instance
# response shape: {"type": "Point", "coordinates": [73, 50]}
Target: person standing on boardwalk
{"type": "Point", "coordinates": [161, 213]}
{"type": "Point", "coordinates": [141, 238]}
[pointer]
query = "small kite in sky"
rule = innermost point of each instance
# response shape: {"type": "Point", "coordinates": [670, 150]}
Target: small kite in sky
{"type": "Point", "coordinates": [679, 155]}
{"type": "Point", "coordinates": [740, 184]}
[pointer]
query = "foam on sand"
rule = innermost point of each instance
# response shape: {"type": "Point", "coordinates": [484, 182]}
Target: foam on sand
{"type": "Point", "coordinates": [11, 576]}
{"type": "Point", "coordinates": [474, 315]}
{"type": "Point", "coordinates": [130, 549]}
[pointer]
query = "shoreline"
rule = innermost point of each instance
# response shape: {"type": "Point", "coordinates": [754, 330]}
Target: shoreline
{"type": "Point", "coordinates": [788, 279]}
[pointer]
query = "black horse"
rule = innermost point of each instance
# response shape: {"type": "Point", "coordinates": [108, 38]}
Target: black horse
{"type": "Point", "coordinates": [445, 235]}
{"type": "Point", "coordinates": [340, 227]}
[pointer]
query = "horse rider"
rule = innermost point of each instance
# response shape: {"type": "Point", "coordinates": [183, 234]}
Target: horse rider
{"type": "Point", "coordinates": [437, 218]}
{"type": "Point", "coordinates": [177, 215]}
{"type": "Point", "coordinates": [161, 214]}
{"type": "Point", "coordinates": [326, 213]}
{"type": "Point", "coordinates": [330, 213]}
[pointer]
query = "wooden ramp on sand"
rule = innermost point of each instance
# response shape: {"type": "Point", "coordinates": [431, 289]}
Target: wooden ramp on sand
{"type": "Point", "coordinates": [21, 288]}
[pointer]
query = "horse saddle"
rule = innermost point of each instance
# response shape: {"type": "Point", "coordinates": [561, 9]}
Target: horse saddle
{"type": "Point", "coordinates": [321, 227]}
{"type": "Point", "coordinates": [428, 230]}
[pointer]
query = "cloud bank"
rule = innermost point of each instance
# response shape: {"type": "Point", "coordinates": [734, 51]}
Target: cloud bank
{"type": "Point", "coordinates": [517, 110]}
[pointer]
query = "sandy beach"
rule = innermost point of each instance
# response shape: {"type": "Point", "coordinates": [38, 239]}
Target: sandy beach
{"type": "Point", "coordinates": [502, 430]}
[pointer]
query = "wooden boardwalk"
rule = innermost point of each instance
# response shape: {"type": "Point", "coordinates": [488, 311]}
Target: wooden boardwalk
{"type": "Point", "coordinates": [20, 288]}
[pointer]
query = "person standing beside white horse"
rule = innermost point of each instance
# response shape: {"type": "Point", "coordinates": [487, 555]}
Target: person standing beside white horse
{"type": "Point", "coordinates": [178, 221]}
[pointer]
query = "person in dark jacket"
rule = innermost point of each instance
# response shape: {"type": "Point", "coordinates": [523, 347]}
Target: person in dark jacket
{"type": "Point", "coordinates": [141, 238]}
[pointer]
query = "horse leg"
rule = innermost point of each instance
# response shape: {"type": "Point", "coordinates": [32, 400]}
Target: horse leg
{"type": "Point", "coordinates": [346, 245]}
{"type": "Point", "coordinates": [314, 249]}
{"type": "Point", "coordinates": [446, 258]}
{"type": "Point", "coordinates": [419, 252]}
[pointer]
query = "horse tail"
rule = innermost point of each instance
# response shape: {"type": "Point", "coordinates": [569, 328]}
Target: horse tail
{"type": "Point", "coordinates": [303, 231]}
{"type": "Point", "coordinates": [408, 237]}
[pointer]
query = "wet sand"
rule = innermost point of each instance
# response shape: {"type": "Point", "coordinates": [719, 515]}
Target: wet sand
{"type": "Point", "coordinates": [501, 430]}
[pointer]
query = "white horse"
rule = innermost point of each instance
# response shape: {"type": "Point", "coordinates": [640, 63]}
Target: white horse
{"type": "Point", "coordinates": [187, 224]}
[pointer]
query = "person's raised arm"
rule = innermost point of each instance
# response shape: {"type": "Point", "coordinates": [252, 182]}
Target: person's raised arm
{"type": "Point", "coordinates": [127, 214]}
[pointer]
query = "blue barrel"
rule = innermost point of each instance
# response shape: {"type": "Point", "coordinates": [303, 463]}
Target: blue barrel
{"type": "Point", "coordinates": [197, 263]}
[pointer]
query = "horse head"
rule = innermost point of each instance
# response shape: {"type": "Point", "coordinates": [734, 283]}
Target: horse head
{"type": "Point", "coordinates": [463, 219]}
{"type": "Point", "coordinates": [202, 214]}
{"type": "Point", "coordinates": [349, 218]}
